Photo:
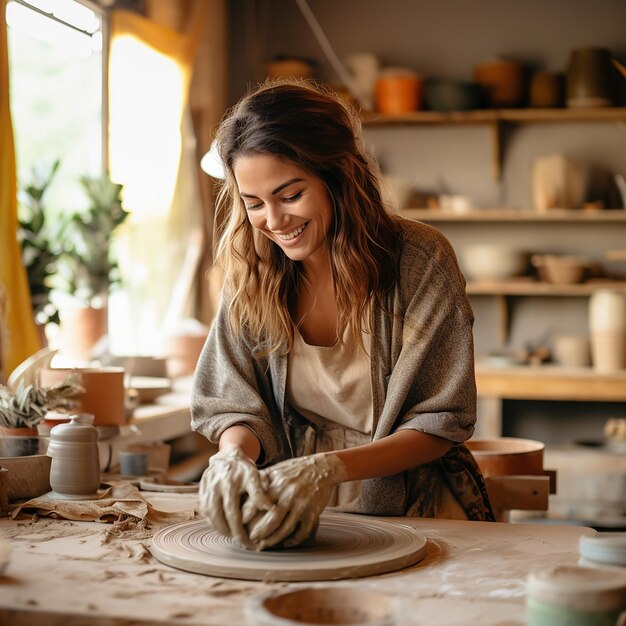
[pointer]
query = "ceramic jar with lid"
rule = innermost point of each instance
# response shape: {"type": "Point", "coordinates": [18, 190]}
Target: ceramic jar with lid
{"type": "Point", "coordinates": [75, 467]}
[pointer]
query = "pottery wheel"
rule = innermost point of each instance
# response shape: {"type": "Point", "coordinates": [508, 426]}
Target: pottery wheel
{"type": "Point", "coordinates": [345, 547]}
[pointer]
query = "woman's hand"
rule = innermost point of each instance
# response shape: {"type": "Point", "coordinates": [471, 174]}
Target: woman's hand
{"type": "Point", "coordinates": [230, 480]}
{"type": "Point", "coordinates": [300, 488]}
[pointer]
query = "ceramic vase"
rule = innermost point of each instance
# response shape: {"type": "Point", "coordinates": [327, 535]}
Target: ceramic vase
{"type": "Point", "coordinates": [607, 329]}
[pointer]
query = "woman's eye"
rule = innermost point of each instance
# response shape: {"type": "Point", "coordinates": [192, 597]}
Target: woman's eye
{"type": "Point", "coordinates": [293, 198]}
{"type": "Point", "coordinates": [252, 207]}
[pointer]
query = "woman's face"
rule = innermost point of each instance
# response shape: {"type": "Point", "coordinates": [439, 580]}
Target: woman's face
{"type": "Point", "coordinates": [287, 204]}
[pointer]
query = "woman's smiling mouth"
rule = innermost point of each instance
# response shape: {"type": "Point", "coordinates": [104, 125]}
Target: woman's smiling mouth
{"type": "Point", "coordinates": [293, 234]}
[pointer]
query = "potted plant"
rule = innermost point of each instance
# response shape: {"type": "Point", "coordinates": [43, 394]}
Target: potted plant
{"type": "Point", "coordinates": [22, 408]}
{"type": "Point", "coordinates": [36, 240]}
{"type": "Point", "coordinates": [87, 266]}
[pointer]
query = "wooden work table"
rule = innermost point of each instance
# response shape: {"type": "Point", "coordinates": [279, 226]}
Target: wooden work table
{"type": "Point", "coordinates": [63, 573]}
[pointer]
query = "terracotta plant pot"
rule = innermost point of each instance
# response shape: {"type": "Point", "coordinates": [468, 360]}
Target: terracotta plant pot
{"type": "Point", "coordinates": [81, 328]}
{"type": "Point", "coordinates": [104, 391]}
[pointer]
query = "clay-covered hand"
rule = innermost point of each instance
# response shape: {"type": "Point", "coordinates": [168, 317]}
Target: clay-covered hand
{"type": "Point", "coordinates": [230, 480]}
{"type": "Point", "coordinates": [301, 488]}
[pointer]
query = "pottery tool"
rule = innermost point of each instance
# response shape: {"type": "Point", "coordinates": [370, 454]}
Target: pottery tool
{"type": "Point", "coordinates": [344, 547]}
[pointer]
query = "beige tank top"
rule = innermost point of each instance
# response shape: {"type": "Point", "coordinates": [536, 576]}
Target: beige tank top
{"type": "Point", "coordinates": [331, 383]}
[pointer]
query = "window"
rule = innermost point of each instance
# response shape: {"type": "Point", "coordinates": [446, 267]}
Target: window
{"type": "Point", "coordinates": [56, 78]}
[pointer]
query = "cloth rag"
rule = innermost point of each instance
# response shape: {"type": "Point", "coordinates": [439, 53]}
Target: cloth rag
{"type": "Point", "coordinates": [114, 502]}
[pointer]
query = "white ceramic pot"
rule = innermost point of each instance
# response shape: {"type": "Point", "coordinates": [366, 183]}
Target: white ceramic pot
{"type": "Point", "coordinates": [607, 328]}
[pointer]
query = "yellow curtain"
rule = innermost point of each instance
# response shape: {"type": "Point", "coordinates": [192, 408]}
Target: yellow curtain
{"type": "Point", "coordinates": [21, 335]}
{"type": "Point", "coordinates": [152, 154]}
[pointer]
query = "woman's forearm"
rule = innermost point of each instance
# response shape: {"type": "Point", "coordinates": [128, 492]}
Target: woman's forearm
{"type": "Point", "coordinates": [239, 436]}
{"type": "Point", "coordinates": [393, 454]}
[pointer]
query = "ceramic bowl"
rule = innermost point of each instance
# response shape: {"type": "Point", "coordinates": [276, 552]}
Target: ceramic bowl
{"type": "Point", "coordinates": [452, 95]}
{"type": "Point", "coordinates": [506, 456]}
{"type": "Point", "coordinates": [493, 261]}
{"type": "Point", "coordinates": [322, 605]}
{"type": "Point", "coordinates": [561, 269]}
{"type": "Point", "coordinates": [29, 476]}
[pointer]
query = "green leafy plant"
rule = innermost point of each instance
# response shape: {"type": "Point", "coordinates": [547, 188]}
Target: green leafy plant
{"type": "Point", "coordinates": [87, 267]}
{"type": "Point", "coordinates": [27, 405]}
{"type": "Point", "coordinates": [36, 239]}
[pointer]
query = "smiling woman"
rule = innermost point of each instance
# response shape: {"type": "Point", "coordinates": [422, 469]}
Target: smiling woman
{"type": "Point", "coordinates": [339, 369]}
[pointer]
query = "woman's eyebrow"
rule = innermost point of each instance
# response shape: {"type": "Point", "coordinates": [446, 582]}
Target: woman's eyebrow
{"type": "Point", "coordinates": [289, 182]}
{"type": "Point", "coordinates": [275, 191]}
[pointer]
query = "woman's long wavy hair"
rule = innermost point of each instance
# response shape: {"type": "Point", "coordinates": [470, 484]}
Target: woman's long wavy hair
{"type": "Point", "coordinates": [309, 126]}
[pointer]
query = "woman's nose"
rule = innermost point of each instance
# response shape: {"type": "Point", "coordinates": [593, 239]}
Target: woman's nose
{"type": "Point", "coordinates": [275, 218]}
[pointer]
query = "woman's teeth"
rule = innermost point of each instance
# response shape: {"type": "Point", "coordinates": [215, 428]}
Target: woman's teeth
{"type": "Point", "coordinates": [293, 233]}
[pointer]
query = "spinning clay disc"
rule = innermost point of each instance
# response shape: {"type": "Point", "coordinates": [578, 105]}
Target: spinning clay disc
{"type": "Point", "coordinates": [344, 547]}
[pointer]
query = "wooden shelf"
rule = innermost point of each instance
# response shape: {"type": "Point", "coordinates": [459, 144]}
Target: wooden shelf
{"type": "Point", "coordinates": [550, 382]}
{"type": "Point", "coordinates": [529, 287]}
{"type": "Point", "coordinates": [495, 119]}
{"type": "Point", "coordinates": [489, 116]}
{"type": "Point", "coordinates": [521, 215]}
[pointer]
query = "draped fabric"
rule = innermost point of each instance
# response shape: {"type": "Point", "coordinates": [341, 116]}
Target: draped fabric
{"type": "Point", "coordinates": [20, 336]}
{"type": "Point", "coordinates": [153, 155]}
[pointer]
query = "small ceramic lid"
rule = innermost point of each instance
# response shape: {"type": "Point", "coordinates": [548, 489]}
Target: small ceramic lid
{"type": "Point", "coordinates": [74, 431]}
{"type": "Point", "coordinates": [579, 588]}
{"type": "Point", "coordinates": [604, 548]}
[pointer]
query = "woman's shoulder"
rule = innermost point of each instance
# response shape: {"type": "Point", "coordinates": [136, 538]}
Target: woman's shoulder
{"type": "Point", "coordinates": [428, 264]}
{"type": "Point", "coordinates": [423, 241]}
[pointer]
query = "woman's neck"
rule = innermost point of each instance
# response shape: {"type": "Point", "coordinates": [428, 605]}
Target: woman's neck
{"type": "Point", "coordinates": [316, 312]}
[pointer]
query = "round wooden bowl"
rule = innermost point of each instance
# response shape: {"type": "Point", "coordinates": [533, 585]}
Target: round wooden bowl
{"type": "Point", "coordinates": [507, 456]}
{"type": "Point", "coordinates": [29, 476]}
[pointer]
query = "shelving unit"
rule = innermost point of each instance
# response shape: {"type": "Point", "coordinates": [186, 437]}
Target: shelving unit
{"type": "Point", "coordinates": [503, 290]}
{"type": "Point", "coordinates": [487, 116]}
{"type": "Point", "coordinates": [496, 119]}
{"type": "Point", "coordinates": [543, 382]}
{"type": "Point", "coordinates": [546, 382]}
{"type": "Point", "coordinates": [513, 215]}
{"type": "Point", "coordinates": [551, 382]}
{"type": "Point", "coordinates": [530, 287]}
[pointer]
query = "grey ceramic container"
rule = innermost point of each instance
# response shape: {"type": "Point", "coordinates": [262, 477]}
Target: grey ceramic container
{"type": "Point", "coordinates": [75, 468]}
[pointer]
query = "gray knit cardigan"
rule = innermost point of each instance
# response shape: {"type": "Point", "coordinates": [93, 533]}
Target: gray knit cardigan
{"type": "Point", "coordinates": [422, 369]}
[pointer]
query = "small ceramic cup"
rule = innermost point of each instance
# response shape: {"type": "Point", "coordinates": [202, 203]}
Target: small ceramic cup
{"type": "Point", "coordinates": [133, 463]}
{"type": "Point", "coordinates": [547, 89]}
{"type": "Point", "coordinates": [572, 350]}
